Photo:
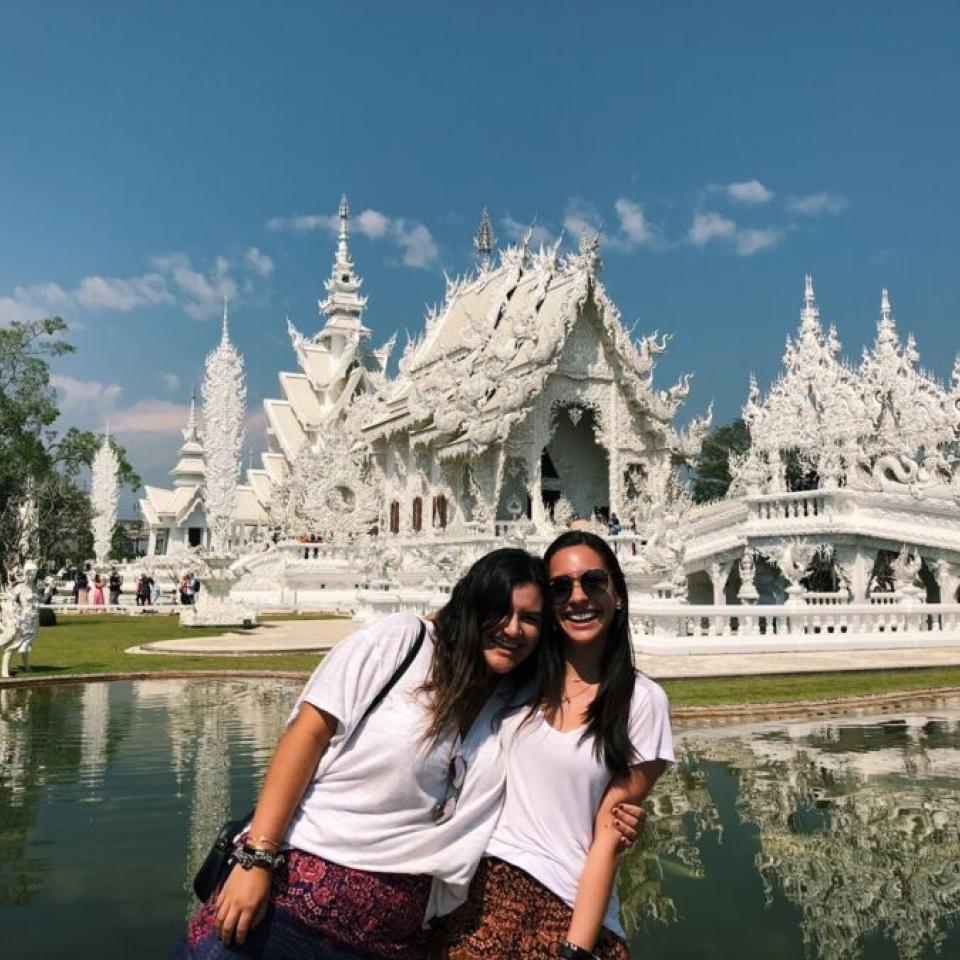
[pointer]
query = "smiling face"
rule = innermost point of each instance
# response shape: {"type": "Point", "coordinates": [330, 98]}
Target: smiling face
{"type": "Point", "coordinates": [586, 613]}
{"type": "Point", "coordinates": [508, 643]}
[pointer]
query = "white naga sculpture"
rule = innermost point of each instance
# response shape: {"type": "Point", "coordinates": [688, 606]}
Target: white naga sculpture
{"type": "Point", "coordinates": [20, 618]}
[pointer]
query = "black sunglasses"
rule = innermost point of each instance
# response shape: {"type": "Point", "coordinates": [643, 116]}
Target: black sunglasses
{"type": "Point", "coordinates": [594, 583]}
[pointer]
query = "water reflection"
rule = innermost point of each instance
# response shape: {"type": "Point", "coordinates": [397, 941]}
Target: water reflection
{"type": "Point", "coordinates": [857, 826]}
{"type": "Point", "coordinates": [821, 839]}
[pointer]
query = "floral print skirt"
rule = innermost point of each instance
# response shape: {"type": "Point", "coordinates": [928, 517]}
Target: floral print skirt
{"type": "Point", "coordinates": [323, 911]}
{"type": "Point", "coordinates": [511, 916]}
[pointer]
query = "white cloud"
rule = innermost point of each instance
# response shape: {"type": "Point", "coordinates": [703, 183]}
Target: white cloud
{"type": "Point", "coordinates": [711, 226]}
{"type": "Point", "coordinates": [418, 248]}
{"type": "Point", "coordinates": [514, 230]}
{"type": "Point", "coordinates": [581, 217]}
{"type": "Point", "coordinates": [171, 381]}
{"type": "Point", "coordinates": [88, 401]}
{"type": "Point", "coordinates": [635, 229]}
{"type": "Point", "coordinates": [258, 262]}
{"type": "Point", "coordinates": [371, 223]}
{"type": "Point", "coordinates": [413, 239]}
{"type": "Point", "coordinates": [753, 240]}
{"type": "Point", "coordinates": [93, 294]}
{"type": "Point", "coordinates": [749, 191]}
{"type": "Point", "coordinates": [150, 416]}
{"type": "Point", "coordinates": [815, 204]}
{"type": "Point", "coordinates": [173, 281]}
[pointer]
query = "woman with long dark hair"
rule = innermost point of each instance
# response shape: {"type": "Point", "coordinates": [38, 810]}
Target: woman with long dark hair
{"type": "Point", "coordinates": [596, 738]}
{"type": "Point", "coordinates": [369, 822]}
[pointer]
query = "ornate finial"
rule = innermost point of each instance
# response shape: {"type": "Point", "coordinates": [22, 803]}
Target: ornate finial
{"type": "Point", "coordinates": [886, 314]}
{"type": "Point", "coordinates": [225, 331]}
{"type": "Point", "coordinates": [810, 314]}
{"type": "Point", "coordinates": [484, 242]}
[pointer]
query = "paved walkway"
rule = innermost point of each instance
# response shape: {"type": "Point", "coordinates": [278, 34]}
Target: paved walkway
{"type": "Point", "coordinates": [300, 636]}
{"type": "Point", "coordinates": [273, 636]}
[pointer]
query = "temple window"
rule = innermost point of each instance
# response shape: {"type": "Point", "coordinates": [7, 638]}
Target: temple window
{"type": "Point", "coordinates": [394, 517]}
{"type": "Point", "coordinates": [440, 512]}
{"type": "Point", "coordinates": [417, 514]}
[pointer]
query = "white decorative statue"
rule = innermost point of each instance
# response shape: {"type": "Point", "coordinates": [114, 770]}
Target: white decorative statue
{"type": "Point", "coordinates": [21, 618]}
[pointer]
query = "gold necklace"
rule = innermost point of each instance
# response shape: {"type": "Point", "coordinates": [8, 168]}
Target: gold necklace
{"type": "Point", "coordinates": [568, 698]}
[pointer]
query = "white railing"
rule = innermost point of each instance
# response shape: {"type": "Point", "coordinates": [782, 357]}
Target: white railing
{"type": "Point", "coordinates": [671, 626]}
{"type": "Point", "coordinates": [791, 506]}
{"type": "Point", "coordinates": [837, 599]}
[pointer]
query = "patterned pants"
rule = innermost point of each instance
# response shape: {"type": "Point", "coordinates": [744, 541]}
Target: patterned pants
{"type": "Point", "coordinates": [322, 911]}
{"type": "Point", "coordinates": [511, 916]}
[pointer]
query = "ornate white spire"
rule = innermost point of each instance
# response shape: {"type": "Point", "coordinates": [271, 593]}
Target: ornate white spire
{"type": "Point", "coordinates": [190, 469]}
{"type": "Point", "coordinates": [485, 241]}
{"type": "Point", "coordinates": [810, 314]}
{"type": "Point", "coordinates": [224, 407]}
{"type": "Point", "coordinates": [103, 498]}
{"type": "Point", "coordinates": [343, 307]}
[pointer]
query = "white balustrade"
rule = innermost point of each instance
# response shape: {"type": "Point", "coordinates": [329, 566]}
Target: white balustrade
{"type": "Point", "coordinates": [667, 627]}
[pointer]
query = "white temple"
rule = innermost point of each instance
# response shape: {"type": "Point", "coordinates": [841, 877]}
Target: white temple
{"type": "Point", "coordinates": [524, 403]}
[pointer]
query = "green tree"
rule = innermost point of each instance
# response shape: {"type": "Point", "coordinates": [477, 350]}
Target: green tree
{"type": "Point", "coordinates": [711, 478]}
{"type": "Point", "coordinates": [44, 510]}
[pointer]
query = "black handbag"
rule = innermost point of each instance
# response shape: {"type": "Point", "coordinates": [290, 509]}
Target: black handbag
{"type": "Point", "coordinates": [218, 862]}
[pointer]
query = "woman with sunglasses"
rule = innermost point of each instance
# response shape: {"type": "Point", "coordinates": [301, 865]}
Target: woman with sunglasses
{"type": "Point", "coordinates": [596, 738]}
{"type": "Point", "coordinates": [369, 823]}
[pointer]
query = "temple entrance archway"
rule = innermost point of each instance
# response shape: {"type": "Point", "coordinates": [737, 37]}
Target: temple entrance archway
{"type": "Point", "coordinates": [574, 465]}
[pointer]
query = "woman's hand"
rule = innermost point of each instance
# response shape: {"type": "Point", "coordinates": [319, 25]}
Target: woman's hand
{"type": "Point", "coordinates": [630, 821]}
{"type": "Point", "coordinates": [242, 903]}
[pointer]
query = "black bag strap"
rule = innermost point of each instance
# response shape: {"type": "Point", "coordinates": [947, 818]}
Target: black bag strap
{"type": "Point", "coordinates": [397, 674]}
{"type": "Point", "coordinates": [379, 698]}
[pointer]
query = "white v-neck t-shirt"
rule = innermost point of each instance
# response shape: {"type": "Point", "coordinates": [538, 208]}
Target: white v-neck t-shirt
{"type": "Point", "coordinates": [554, 788]}
{"type": "Point", "coordinates": [371, 803]}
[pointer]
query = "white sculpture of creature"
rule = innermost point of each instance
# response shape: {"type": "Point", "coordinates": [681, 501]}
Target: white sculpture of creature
{"type": "Point", "coordinates": [22, 611]}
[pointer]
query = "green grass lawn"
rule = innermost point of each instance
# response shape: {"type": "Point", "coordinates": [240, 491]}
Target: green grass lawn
{"type": "Point", "coordinates": [97, 644]}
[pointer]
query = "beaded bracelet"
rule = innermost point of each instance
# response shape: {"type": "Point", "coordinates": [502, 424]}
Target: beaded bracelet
{"type": "Point", "coordinates": [570, 951]}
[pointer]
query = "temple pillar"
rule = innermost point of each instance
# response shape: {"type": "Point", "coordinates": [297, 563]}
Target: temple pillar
{"type": "Point", "coordinates": [718, 573]}
{"type": "Point", "coordinates": [854, 565]}
{"type": "Point", "coordinates": [947, 575]}
{"type": "Point", "coordinates": [152, 542]}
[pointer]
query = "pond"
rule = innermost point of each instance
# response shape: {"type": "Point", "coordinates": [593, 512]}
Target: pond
{"type": "Point", "coordinates": [828, 838]}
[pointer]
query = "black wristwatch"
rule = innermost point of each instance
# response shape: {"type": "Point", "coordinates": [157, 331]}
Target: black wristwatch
{"type": "Point", "coordinates": [570, 951]}
{"type": "Point", "coordinates": [249, 857]}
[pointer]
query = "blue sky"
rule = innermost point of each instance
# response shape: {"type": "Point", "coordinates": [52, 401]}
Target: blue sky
{"type": "Point", "coordinates": [154, 156]}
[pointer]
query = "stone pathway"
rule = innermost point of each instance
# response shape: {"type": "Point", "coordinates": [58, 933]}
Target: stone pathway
{"type": "Point", "coordinates": [299, 636]}
{"type": "Point", "coordinates": [273, 636]}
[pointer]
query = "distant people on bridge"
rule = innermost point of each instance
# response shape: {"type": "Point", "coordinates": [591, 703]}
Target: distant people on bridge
{"type": "Point", "coordinates": [615, 525]}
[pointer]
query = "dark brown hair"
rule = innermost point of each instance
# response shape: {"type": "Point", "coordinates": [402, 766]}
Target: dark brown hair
{"type": "Point", "coordinates": [481, 600]}
{"type": "Point", "coordinates": [609, 714]}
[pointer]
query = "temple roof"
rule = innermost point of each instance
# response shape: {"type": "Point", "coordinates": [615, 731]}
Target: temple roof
{"type": "Point", "coordinates": [486, 354]}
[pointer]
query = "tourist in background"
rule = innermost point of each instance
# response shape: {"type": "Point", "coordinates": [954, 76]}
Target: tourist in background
{"type": "Point", "coordinates": [383, 816]}
{"type": "Point", "coordinates": [142, 591]}
{"type": "Point", "coordinates": [186, 589]}
{"type": "Point", "coordinates": [597, 737]}
{"type": "Point", "coordinates": [49, 589]}
{"type": "Point", "coordinates": [81, 588]}
{"type": "Point", "coordinates": [115, 584]}
{"type": "Point", "coordinates": [98, 600]}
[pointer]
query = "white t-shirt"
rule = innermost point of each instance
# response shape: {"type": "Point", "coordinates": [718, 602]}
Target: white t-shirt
{"type": "Point", "coordinates": [554, 788]}
{"type": "Point", "coordinates": [370, 804]}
